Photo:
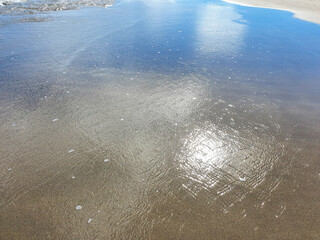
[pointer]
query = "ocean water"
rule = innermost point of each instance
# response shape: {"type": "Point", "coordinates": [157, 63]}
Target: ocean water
{"type": "Point", "coordinates": [158, 120]}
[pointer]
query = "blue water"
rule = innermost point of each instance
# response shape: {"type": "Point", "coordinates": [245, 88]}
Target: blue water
{"type": "Point", "coordinates": [170, 36]}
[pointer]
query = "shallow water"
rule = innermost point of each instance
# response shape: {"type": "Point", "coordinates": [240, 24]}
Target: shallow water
{"type": "Point", "coordinates": [160, 120]}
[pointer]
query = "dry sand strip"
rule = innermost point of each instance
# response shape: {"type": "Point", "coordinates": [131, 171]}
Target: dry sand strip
{"type": "Point", "coordinates": [308, 10]}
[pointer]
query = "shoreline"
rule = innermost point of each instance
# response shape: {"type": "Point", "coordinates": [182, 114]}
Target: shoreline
{"type": "Point", "coordinates": [307, 11]}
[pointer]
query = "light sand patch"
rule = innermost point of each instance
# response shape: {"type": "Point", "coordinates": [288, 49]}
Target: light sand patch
{"type": "Point", "coordinates": [308, 10]}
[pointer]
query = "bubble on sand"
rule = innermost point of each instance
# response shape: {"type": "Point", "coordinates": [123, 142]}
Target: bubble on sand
{"type": "Point", "coordinates": [73, 177]}
{"type": "Point", "coordinates": [9, 169]}
{"type": "Point", "coordinates": [54, 120]}
{"type": "Point", "coordinates": [68, 91]}
{"type": "Point", "coordinates": [13, 125]}
{"type": "Point", "coordinates": [106, 160]}
{"type": "Point", "coordinates": [72, 150]}
{"type": "Point", "coordinates": [242, 179]}
{"type": "Point", "coordinates": [90, 220]}
{"type": "Point", "coordinates": [99, 211]}
{"type": "Point", "coordinates": [79, 207]}
{"type": "Point", "coordinates": [121, 119]}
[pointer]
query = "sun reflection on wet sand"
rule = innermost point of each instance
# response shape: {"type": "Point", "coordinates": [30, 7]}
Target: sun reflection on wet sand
{"type": "Point", "coordinates": [218, 159]}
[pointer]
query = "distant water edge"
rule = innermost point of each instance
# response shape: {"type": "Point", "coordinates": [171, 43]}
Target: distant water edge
{"type": "Point", "coordinates": [13, 7]}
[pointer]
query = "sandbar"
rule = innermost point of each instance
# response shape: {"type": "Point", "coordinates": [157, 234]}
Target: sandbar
{"type": "Point", "coordinates": [308, 10]}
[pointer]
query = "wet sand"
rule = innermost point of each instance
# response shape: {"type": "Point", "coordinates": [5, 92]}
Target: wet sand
{"type": "Point", "coordinates": [308, 10]}
{"type": "Point", "coordinates": [152, 129]}
{"type": "Point", "coordinates": [186, 160]}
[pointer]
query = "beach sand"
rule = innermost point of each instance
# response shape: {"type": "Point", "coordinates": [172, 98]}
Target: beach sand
{"type": "Point", "coordinates": [308, 10]}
